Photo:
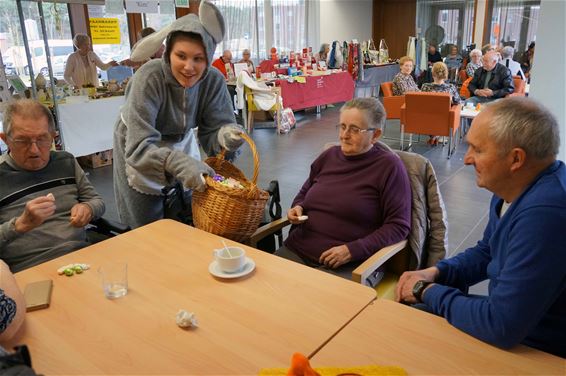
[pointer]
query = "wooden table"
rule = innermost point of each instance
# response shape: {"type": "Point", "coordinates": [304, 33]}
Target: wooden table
{"type": "Point", "coordinates": [245, 324]}
{"type": "Point", "coordinates": [389, 333]}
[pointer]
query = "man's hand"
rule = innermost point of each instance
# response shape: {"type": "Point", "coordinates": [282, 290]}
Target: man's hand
{"type": "Point", "coordinates": [81, 214]}
{"type": "Point", "coordinates": [335, 256]}
{"type": "Point", "coordinates": [404, 292]}
{"type": "Point", "coordinates": [293, 215]}
{"type": "Point", "coordinates": [35, 213]}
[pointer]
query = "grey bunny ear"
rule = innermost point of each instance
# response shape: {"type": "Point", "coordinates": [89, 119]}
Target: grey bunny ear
{"type": "Point", "coordinates": [148, 46]}
{"type": "Point", "coordinates": [212, 20]}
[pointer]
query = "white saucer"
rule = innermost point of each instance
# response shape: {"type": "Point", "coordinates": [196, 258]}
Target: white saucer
{"type": "Point", "coordinates": [249, 266]}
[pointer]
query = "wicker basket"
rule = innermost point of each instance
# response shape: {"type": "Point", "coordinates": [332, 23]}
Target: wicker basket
{"type": "Point", "coordinates": [233, 213]}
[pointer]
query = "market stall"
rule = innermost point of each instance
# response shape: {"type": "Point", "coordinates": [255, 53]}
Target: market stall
{"type": "Point", "coordinates": [317, 90]}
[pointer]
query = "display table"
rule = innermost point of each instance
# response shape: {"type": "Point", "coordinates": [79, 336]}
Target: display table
{"type": "Point", "coordinates": [267, 66]}
{"type": "Point", "coordinates": [88, 127]}
{"type": "Point", "coordinates": [374, 76]}
{"type": "Point", "coordinates": [317, 91]}
{"type": "Point", "coordinates": [389, 333]}
{"type": "Point", "coordinates": [245, 324]}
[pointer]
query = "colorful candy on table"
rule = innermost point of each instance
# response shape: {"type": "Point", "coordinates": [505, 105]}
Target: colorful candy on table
{"type": "Point", "coordinates": [228, 182]}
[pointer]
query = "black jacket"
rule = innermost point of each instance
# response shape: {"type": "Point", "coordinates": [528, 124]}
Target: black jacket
{"type": "Point", "coordinates": [501, 81]}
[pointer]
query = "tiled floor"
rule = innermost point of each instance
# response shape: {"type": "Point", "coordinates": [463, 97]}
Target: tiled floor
{"type": "Point", "coordinates": [287, 158]}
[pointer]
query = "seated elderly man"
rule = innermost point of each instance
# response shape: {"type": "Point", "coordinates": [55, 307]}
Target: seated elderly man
{"type": "Point", "coordinates": [48, 200]}
{"type": "Point", "coordinates": [492, 81]}
{"type": "Point", "coordinates": [357, 197]}
{"type": "Point", "coordinates": [507, 60]}
{"type": "Point", "coordinates": [513, 147]}
{"type": "Point", "coordinates": [224, 64]}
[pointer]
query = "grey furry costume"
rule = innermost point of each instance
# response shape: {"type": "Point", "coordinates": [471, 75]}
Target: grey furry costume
{"type": "Point", "coordinates": [154, 139]}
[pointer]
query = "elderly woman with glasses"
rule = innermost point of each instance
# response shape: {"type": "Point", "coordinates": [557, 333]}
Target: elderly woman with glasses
{"type": "Point", "coordinates": [357, 197]}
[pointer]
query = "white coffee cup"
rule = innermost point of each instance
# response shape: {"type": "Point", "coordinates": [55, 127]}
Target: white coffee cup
{"type": "Point", "coordinates": [230, 260]}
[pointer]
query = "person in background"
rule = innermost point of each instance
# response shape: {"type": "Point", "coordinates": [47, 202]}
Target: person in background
{"type": "Point", "coordinates": [357, 197]}
{"type": "Point", "coordinates": [487, 48]}
{"type": "Point", "coordinates": [403, 82]}
{"type": "Point", "coordinates": [80, 69]}
{"type": "Point", "coordinates": [490, 82]}
{"type": "Point", "coordinates": [513, 145]}
{"type": "Point", "coordinates": [453, 61]}
{"type": "Point", "coordinates": [439, 76]}
{"type": "Point", "coordinates": [48, 200]}
{"type": "Point", "coordinates": [155, 140]}
{"type": "Point", "coordinates": [224, 63]}
{"type": "Point", "coordinates": [507, 60]}
{"type": "Point", "coordinates": [433, 55]}
{"type": "Point", "coordinates": [157, 55]}
{"type": "Point", "coordinates": [322, 54]}
{"type": "Point", "coordinates": [475, 62]}
{"type": "Point", "coordinates": [12, 306]}
{"type": "Point", "coordinates": [246, 58]}
{"type": "Point", "coordinates": [527, 60]}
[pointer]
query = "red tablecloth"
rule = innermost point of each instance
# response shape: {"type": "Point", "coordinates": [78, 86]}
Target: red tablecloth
{"type": "Point", "coordinates": [318, 90]}
{"type": "Point", "coordinates": [268, 66]}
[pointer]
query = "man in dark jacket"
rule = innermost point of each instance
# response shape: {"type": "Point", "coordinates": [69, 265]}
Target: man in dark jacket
{"type": "Point", "coordinates": [492, 81]}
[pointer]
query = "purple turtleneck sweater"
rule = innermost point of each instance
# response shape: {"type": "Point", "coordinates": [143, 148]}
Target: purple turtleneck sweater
{"type": "Point", "coordinates": [363, 201]}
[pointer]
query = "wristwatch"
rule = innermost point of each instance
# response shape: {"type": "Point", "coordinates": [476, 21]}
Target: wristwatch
{"type": "Point", "coordinates": [418, 289]}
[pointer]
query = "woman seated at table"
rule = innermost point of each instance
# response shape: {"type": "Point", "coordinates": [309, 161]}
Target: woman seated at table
{"type": "Point", "coordinates": [403, 82]}
{"type": "Point", "coordinates": [80, 69]}
{"type": "Point", "coordinates": [453, 61]}
{"type": "Point", "coordinates": [439, 75]}
{"type": "Point", "coordinates": [12, 306]}
{"type": "Point", "coordinates": [475, 62]}
{"type": "Point", "coordinates": [357, 197]}
{"type": "Point", "coordinates": [246, 58]}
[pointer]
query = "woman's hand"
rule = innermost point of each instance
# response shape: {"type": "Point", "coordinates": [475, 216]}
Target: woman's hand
{"type": "Point", "coordinates": [229, 137]}
{"type": "Point", "coordinates": [293, 215]}
{"type": "Point", "coordinates": [335, 256]}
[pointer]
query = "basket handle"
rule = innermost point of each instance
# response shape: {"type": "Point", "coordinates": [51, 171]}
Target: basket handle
{"type": "Point", "coordinates": [255, 155]}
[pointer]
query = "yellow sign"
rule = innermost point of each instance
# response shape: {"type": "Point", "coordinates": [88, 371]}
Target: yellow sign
{"type": "Point", "coordinates": [105, 30]}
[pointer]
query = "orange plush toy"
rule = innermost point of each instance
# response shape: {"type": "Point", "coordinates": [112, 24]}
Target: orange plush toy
{"type": "Point", "coordinates": [300, 366]}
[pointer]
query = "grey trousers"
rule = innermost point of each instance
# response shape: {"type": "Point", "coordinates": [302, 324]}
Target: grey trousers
{"type": "Point", "coordinates": [344, 271]}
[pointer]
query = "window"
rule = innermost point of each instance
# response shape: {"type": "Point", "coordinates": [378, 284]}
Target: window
{"type": "Point", "coordinates": [108, 52]}
{"type": "Point", "coordinates": [514, 23]}
{"type": "Point", "coordinates": [58, 29]}
{"type": "Point", "coordinates": [446, 22]}
{"type": "Point", "coordinates": [156, 20]}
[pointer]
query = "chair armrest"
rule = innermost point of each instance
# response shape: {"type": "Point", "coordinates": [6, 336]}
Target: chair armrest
{"type": "Point", "coordinates": [108, 227]}
{"type": "Point", "coordinates": [455, 117]}
{"type": "Point", "coordinates": [402, 112]}
{"type": "Point", "coordinates": [393, 106]}
{"type": "Point", "coordinates": [268, 229]}
{"type": "Point", "coordinates": [515, 95]}
{"type": "Point", "coordinates": [377, 260]}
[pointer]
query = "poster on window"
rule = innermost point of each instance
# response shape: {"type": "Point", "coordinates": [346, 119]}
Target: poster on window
{"type": "Point", "coordinates": [105, 30]}
{"type": "Point", "coordinates": [114, 7]}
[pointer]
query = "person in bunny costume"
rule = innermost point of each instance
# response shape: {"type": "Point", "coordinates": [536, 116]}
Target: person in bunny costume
{"type": "Point", "coordinates": [155, 137]}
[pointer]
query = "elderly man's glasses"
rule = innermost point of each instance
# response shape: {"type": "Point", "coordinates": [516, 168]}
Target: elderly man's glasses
{"type": "Point", "coordinates": [25, 143]}
{"type": "Point", "coordinates": [352, 129]}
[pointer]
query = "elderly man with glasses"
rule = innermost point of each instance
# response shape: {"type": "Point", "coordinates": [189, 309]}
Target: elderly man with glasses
{"type": "Point", "coordinates": [45, 197]}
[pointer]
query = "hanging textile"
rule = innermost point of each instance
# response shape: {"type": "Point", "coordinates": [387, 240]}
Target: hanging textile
{"type": "Point", "coordinates": [411, 48]}
{"type": "Point", "coordinates": [332, 59]}
{"type": "Point", "coordinates": [360, 62]}
{"type": "Point", "coordinates": [345, 55]}
{"type": "Point", "coordinates": [423, 52]}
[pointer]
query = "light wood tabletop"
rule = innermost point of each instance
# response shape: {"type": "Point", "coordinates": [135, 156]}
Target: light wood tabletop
{"type": "Point", "coordinates": [393, 334]}
{"type": "Point", "coordinates": [245, 324]}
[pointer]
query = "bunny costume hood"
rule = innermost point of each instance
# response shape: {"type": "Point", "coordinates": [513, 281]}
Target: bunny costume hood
{"type": "Point", "coordinates": [209, 24]}
{"type": "Point", "coordinates": [155, 142]}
